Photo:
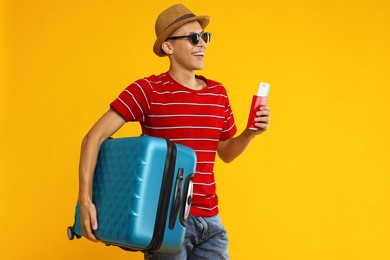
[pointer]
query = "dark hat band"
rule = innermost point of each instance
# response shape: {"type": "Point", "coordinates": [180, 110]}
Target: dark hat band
{"type": "Point", "coordinates": [181, 18]}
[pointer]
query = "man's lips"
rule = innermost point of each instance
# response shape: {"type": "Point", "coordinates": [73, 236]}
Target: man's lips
{"type": "Point", "coordinates": [198, 54]}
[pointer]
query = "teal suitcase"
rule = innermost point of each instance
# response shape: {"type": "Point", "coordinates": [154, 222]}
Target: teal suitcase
{"type": "Point", "coordinates": [142, 190]}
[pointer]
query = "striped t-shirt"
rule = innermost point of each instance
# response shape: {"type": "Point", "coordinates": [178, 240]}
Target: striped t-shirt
{"type": "Point", "coordinates": [198, 119]}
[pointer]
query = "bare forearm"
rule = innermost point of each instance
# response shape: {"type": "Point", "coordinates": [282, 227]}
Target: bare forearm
{"type": "Point", "coordinates": [107, 125]}
{"type": "Point", "coordinates": [232, 148]}
{"type": "Point", "coordinates": [88, 157]}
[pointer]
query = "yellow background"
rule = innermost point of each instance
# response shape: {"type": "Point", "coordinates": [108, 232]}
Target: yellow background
{"type": "Point", "coordinates": [315, 186]}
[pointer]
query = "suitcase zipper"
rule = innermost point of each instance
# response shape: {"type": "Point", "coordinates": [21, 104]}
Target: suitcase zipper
{"type": "Point", "coordinates": [165, 195]}
{"type": "Point", "coordinates": [177, 197]}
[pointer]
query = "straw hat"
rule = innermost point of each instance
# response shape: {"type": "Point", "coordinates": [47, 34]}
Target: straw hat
{"type": "Point", "coordinates": [171, 19]}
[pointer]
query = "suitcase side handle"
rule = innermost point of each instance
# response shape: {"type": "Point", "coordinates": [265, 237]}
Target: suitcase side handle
{"type": "Point", "coordinates": [187, 199]}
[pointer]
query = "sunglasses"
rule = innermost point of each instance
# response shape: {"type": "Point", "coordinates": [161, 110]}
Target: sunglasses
{"type": "Point", "coordinates": [194, 37]}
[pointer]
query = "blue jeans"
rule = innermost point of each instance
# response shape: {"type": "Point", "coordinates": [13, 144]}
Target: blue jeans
{"type": "Point", "coordinates": [205, 239]}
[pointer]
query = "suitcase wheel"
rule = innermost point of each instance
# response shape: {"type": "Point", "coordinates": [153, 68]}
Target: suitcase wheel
{"type": "Point", "coordinates": [70, 233]}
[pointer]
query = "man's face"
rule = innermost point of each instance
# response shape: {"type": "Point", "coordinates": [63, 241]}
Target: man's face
{"type": "Point", "coordinates": [185, 54]}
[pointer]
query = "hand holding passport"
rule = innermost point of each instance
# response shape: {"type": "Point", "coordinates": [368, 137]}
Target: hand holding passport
{"type": "Point", "coordinates": [258, 101]}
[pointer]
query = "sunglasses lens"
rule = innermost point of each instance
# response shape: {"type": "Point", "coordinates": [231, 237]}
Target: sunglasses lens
{"type": "Point", "coordinates": [206, 37]}
{"type": "Point", "coordinates": [194, 38]}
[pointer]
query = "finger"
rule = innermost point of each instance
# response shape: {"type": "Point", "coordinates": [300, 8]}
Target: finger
{"type": "Point", "coordinates": [262, 119]}
{"type": "Point", "coordinates": [262, 126]}
{"type": "Point", "coordinates": [263, 112]}
{"type": "Point", "coordinates": [87, 231]}
{"type": "Point", "coordinates": [89, 234]}
{"type": "Point", "coordinates": [89, 224]}
{"type": "Point", "coordinates": [94, 223]}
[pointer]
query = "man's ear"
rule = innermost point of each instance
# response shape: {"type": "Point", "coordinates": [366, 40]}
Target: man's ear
{"type": "Point", "coordinates": [167, 48]}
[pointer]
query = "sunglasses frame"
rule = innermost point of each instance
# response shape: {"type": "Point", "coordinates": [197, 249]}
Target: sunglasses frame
{"type": "Point", "coordinates": [190, 37]}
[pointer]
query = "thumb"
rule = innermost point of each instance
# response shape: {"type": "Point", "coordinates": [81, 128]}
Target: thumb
{"type": "Point", "coordinates": [94, 223]}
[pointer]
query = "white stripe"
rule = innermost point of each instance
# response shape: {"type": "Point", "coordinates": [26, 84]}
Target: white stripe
{"type": "Point", "coordinates": [228, 108]}
{"type": "Point", "coordinates": [206, 208]}
{"type": "Point", "coordinates": [198, 194]}
{"type": "Point", "coordinates": [227, 130]}
{"type": "Point", "coordinates": [155, 82]}
{"type": "Point", "coordinates": [147, 101]}
{"type": "Point", "coordinates": [127, 107]}
{"type": "Point", "coordinates": [205, 151]}
{"type": "Point", "coordinates": [189, 104]}
{"type": "Point", "coordinates": [227, 119]}
{"type": "Point", "coordinates": [219, 85]}
{"type": "Point", "coordinates": [149, 84]}
{"type": "Point", "coordinates": [186, 115]}
{"type": "Point", "coordinates": [204, 195]}
{"type": "Point", "coordinates": [194, 139]}
{"type": "Point", "coordinates": [183, 127]}
{"type": "Point", "coordinates": [204, 173]}
{"type": "Point", "coordinates": [172, 92]}
{"type": "Point", "coordinates": [204, 184]}
{"type": "Point", "coordinates": [205, 162]}
{"type": "Point", "coordinates": [212, 94]}
{"type": "Point", "coordinates": [135, 100]}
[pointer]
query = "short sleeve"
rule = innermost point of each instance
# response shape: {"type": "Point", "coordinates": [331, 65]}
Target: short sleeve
{"type": "Point", "coordinates": [229, 127]}
{"type": "Point", "coordinates": [132, 104]}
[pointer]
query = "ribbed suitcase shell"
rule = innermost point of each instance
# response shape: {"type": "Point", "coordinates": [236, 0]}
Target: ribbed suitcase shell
{"type": "Point", "coordinates": [128, 193]}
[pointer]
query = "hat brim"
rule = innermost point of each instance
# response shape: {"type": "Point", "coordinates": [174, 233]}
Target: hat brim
{"type": "Point", "coordinates": [203, 20]}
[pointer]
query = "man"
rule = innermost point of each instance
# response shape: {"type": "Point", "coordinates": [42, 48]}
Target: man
{"type": "Point", "coordinates": [186, 108]}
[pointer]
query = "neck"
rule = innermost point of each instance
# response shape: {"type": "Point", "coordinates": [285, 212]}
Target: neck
{"type": "Point", "coordinates": [186, 78]}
